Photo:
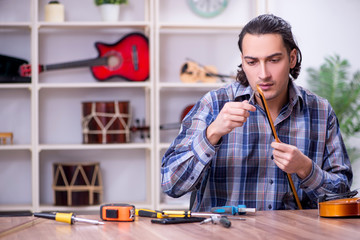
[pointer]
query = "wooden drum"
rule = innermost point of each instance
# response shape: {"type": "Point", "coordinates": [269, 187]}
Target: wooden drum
{"type": "Point", "coordinates": [106, 122]}
{"type": "Point", "coordinates": [77, 184]}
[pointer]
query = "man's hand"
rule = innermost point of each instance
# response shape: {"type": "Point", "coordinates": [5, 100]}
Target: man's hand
{"type": "Point", "coordinates": [232, 115]}
{"type": "Point", "coordinates": [291, 160]}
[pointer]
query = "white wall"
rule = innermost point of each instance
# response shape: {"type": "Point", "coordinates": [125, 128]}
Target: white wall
{"type": "Point", "coordinates": [323, 28]}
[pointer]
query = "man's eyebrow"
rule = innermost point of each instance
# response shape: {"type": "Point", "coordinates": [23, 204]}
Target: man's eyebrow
{"type": "Point", "coordinates": [270, 56]}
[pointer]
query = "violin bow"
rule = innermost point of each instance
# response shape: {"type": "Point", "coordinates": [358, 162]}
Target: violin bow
{"type": "Point", "coordinates": [262, 98]}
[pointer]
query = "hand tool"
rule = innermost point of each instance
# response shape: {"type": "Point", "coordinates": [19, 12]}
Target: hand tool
{"type": "Point", "coordinates": [178, 220]}
{"type": "Point", "coordinates": [252, 96]}
{"type": "Point", "coordinates": [240, 209]}
{"type": "Point", "coordinates": [69, 218]}
{"type": "Point", "coordinates": [179, 214]}
{"type": "Point", "coordinates": [118, 212]}
{"type": "Point", "coordinates": [149, 213]}
{"type": "Point", "coordinates": [175, 213]}
{"type": "Point", "coordinates": [214, 219]}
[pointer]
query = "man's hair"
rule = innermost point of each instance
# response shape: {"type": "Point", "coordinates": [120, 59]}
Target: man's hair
{"type": "Point", "coordinates": [270, 24]}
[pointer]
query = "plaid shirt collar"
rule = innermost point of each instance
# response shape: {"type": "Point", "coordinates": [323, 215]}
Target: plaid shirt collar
{"type": "Point", "coordinates": [242, 93]}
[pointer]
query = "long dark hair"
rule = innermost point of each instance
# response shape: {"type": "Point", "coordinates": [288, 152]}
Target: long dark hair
{"type": "Point", "coordinates": [269, 24]}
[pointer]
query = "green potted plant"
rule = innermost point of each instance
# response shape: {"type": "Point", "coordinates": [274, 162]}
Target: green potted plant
{"type": "Point", "coordinates": [333, 82]}
{"type": "Point", "coordinates": [110, 9]}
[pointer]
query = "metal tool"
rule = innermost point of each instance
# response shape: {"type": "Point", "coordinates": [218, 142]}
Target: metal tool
{"type": "Point", "coordinates": [215, 219]}
{"type": "Point", "coordinates": [172, 214]}
{"type": "Point", "coordinates": [252, 96]}
{"type": "Point", "coordinates": [69, 218]}
{"type": "Point", "coordinates": [149, 213]}
{"type": "Point", "coordinates": [240, 209]}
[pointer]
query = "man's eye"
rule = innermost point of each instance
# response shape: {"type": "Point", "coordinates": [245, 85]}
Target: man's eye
{"type": "Point", "coordinates": [251, 63]}
{"type": "Point", "coordinates": [275, 60]}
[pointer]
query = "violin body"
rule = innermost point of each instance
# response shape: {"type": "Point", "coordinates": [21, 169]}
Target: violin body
{"type": "Point", "coordinates": [346, 207]}
{"type": "Point", "coordinates": [191, 72]}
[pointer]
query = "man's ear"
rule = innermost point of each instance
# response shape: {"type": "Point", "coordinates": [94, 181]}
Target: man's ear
{"type": "Point", "coordinates": [293, 58]}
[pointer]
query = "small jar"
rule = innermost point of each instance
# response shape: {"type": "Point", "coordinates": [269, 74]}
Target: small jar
{"type": "Point", "coordinates": [54, 12]}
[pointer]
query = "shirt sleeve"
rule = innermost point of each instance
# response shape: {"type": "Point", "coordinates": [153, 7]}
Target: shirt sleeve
{"type": "Point", "coordinates": [333, 173]}
{"type": "Point", "coordinates": [190, 154]}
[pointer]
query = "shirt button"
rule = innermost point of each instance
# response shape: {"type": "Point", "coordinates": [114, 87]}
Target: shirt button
{"type": "Point", "coordinates": [208, 155]}
{"type": "Point", "coordinates": [269, 207]}
{"type": "Point", "coordinates": [272, 157]}
{"type": "Point", "coordinates": [271, 181]}
{"type": "Point", "coordinates": [192, 178]}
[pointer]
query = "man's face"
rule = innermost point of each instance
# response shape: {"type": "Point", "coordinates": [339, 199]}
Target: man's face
{"type": "Point", "coordinates": [267, 63]}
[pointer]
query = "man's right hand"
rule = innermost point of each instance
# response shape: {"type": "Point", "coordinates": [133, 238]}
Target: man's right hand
{"type": "Point", "coordinates": [232, 115]}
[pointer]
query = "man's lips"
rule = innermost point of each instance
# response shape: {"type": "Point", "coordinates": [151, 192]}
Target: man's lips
{"type": "Point", "coordinates": [265, 86]}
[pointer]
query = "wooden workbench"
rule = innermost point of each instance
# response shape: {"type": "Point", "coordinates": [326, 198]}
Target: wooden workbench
{"type": "Point", "coordinates": [300, 224]}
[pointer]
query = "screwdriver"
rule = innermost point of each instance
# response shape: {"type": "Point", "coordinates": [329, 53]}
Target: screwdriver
{"type": "Point", "coordinates": [69, 218]}
{"type": "Point", "coordinates": [149, 213]}
{"type": "Point", "coordinates": [240, 209]}
{"type": "Point", "coordinates": [181, 214]}
{"type": "Point", "coordinates": [175, 213]}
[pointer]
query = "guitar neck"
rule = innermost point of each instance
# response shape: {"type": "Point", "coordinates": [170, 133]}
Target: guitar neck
{"type": "Point", "coordinates": [219, 75]}
{"type": "Point", "coordinates": [76, 64]}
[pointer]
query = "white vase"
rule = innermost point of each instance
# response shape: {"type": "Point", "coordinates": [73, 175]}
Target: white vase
{"type": "Point", "coordinates": [110, 12]}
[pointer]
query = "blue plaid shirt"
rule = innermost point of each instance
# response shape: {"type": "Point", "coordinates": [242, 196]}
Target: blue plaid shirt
{"type": "Point", "coordinates": [239, 169]}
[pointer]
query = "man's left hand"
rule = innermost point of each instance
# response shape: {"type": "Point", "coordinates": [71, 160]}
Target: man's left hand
{"type": "Point", "coordinates": [291, 160]}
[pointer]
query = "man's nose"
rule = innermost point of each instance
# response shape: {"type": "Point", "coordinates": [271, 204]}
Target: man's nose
{"type": "Point", "coordinates": [263, 71]}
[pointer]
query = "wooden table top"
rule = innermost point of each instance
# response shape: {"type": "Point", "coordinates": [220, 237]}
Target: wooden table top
{"type": "Point", "coordinates": [286, 224]}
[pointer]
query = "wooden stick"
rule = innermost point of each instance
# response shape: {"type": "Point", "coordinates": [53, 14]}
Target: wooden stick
{"type": "Point", "coordinates": [262, 97]}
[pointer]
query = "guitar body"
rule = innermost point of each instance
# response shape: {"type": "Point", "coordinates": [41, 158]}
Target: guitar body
{"type": "Point", "coordinates": [9, 70]}
{"type": "Point", "coordinates": [128, 59]}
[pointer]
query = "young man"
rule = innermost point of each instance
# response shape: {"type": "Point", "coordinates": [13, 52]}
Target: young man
{"type": "Point", "coordinates": [225, 150]}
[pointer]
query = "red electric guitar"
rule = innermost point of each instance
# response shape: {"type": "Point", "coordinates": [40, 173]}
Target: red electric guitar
{"type": "Point", "coordinates": [128, 58]}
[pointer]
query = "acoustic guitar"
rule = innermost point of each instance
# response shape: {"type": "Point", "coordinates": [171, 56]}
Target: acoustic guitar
{"type": "Point", "coordinates": [9, 70]}
{"type": "Point", "coordinates": [128, 58]}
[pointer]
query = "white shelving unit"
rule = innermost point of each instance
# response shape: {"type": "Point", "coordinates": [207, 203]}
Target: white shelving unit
{"type": "Point", "coordinates": [45, 115]}
{"type": "Point", "coordinates": [50, 106]}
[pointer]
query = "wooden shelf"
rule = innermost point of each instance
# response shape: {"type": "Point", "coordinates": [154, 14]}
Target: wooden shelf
{"type": "Point", "coordinates": [145, 84]}
{"type": "Point", "coordinates": [122, 146]}
{"type": "Point", "coordinates": [81, 25]}
{"type": "Point", "coordinates": [26, 147]}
